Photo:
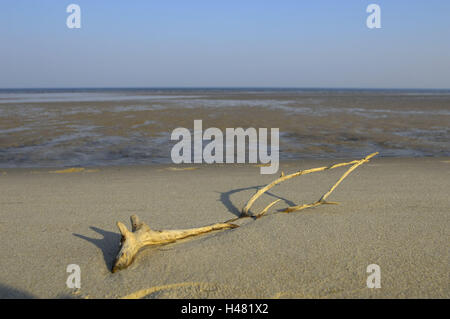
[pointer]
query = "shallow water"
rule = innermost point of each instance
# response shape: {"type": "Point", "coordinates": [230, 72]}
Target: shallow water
{"type": "Point", "coordinates": [43, 128]}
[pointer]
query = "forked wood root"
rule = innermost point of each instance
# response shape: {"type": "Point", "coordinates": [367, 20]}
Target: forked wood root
{"type": "Point", "coordinates": [141, 236]}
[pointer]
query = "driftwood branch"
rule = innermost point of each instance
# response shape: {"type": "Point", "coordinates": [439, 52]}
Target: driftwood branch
{"type": "Point", "coordinates": [322, 200]}
{"type": "Point", "coordinates": [141, 235]}
{"type": "Point", "coordinates": [245, 210]}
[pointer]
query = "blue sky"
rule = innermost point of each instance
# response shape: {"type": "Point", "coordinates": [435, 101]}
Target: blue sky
{"type": "Point", "coordinates": [321, 43]}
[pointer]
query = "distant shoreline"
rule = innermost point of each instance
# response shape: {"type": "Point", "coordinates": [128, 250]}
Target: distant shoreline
{"type": "Point", "coordinates": [194, 88]}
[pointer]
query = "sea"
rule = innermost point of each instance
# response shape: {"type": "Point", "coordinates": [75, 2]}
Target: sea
{"type": "Point", "coordinates": [133, 126]}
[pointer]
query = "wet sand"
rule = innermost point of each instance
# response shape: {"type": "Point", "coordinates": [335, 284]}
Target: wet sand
{"type": "Point", "coordinates": [128, 128]}
{"type": "Point", "coordinates": [392, 212]}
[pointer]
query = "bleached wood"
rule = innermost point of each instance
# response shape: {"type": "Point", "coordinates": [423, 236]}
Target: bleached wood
{"type": "Point", "coordinates": [141, 234]}
{"type": "Point", "coordinates": [245, 210]}
{"type": "Point", "coordinates": [322, 200]}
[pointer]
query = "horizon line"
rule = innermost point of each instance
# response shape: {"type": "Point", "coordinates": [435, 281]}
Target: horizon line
{"type": "Point", "coordinates": [219, 87]}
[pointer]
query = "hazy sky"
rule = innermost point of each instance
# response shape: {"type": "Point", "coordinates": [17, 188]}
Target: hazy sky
{"type": "Point", "coordinates": [320, 43]}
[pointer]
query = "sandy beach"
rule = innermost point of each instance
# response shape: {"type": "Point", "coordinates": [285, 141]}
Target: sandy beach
{"type": "Point", "coordinates": [392, 212]}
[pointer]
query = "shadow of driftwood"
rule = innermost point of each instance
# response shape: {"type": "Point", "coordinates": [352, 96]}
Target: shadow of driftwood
{"type": "Point", "coordinates": [225, 198]}
{"type": "Point", "coordinates": [109, 244]}
{"type": "Point", "coordinates": [7, 292]}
